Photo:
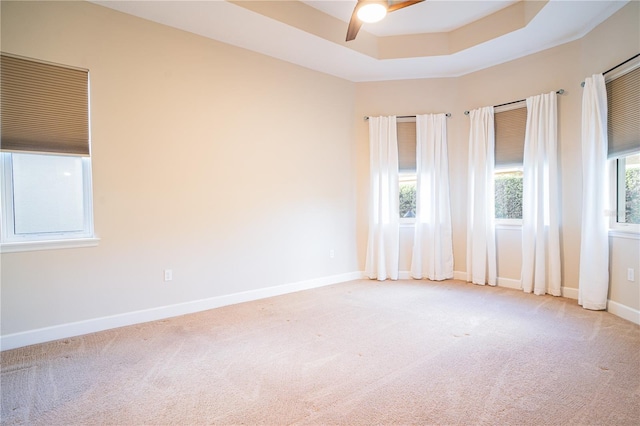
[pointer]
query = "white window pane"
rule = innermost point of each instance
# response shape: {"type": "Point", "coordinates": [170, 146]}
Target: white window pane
{"type": "Point", "coordinates": [629, 189]}
{"type": "Point", "coordinates": [508, 193]}
{"type": "Point", "coordinates": [407, 192]}
{"type": "Point", "coordinates": [48, 194]}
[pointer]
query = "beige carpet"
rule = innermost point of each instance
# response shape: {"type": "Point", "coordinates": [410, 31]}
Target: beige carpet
{"type": "Point", "coordinates": [364, 352]}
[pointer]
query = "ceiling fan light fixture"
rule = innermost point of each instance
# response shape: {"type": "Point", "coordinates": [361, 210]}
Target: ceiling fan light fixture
{"type": "Point", "coordinates": [372, 12]}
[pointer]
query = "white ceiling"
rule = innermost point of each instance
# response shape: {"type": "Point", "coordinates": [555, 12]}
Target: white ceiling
{"type": "Point", "coordinates": [560, 21]}
{"type": "Point", "coordinates": [427, 17]}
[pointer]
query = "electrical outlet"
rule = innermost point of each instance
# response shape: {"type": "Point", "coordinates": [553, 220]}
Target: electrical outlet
{"type": "Point", "coordinates": [168, 274]}
{"type": "Point", "coordinates": [630, 274]}
{"type": "Point", "coordinates": [332, 253]}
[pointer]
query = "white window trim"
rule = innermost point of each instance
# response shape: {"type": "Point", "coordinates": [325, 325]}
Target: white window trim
{"type": "Point", "coordinates": [615, 233]}
{"type": "Point", "coordinates": [10, 242]}
{"type": "Point", "coordinates": [22, 246]}
{"type": "Point", "coordinates": [618, 229]}
{"type": "Point", "coordinates": [508, 223]}
{"type": "Point", "coordinates": [622, 70]}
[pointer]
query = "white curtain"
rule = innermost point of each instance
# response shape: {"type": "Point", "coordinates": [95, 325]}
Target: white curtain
{"type": "Point", "coordinates": [481, 240]}
{"type": "Point", "coordinates": [432, 246]}
{"type": "Point", "coordinates": [594, 247]}
{"type": "Point", "coordinates": [540, 204]}
{"type": "Point", "coordinates": [384, 228]}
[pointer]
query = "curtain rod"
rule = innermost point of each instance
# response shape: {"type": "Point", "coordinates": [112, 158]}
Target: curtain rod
{"type": "Point", "coordinates": [366, 117]}
{"type": "Point", "coordinates": [558, 92]}
{"type": "Point", "coordinates": [622, 63]}
{"type": "Point", "coordinates": [617, 66]}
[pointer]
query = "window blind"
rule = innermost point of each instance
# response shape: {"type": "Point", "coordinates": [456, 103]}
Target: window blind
{"type": "Point", "coordinates": [510, 129]}
{"type": "Point", "coordinates": [623, 116]}
{"type": "Point", "coordinates": [45, 107]}
{"type": "Point", "coordinates": [406, 146]}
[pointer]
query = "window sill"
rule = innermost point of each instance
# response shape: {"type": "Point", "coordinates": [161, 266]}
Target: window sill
{"type": "Point", "coordinates": [511, 224]}
{"type": "Point", "coordinates": [629, 234]}
{"type": "Point", "coordinates": [20, 246]}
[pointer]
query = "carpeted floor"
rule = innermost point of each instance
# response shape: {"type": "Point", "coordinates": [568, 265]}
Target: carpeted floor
{"type": "Point", "coordinates": [359, 353]}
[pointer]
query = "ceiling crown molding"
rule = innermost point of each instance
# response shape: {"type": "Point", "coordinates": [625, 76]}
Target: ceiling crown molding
{"type": "Point", "coordinates": [295, 32]}
{"type": "Point", "coordinates": [313, 21]}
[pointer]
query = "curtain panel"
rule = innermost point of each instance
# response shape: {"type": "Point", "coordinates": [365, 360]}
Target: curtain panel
{"type": "Point", "coordinates": [540, 199]}
{"type": "Point", "coordinates": [481, 239]}
{"type": "Point", "coordinates": [432, 247]}
{"type": "Point", "coordinates": [594, 245]}
{"type": "Point", "coordinates": [384, 222]}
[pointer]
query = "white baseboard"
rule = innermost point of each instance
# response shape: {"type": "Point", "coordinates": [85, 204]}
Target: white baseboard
{"type": "Point", "coordinates": [569, 292]}
{"type": "Point", "coordinates": [501, 282]}
{"type": "Point", "coordinates": [459, 275]}
{"type": "Point", "coordinates": [509, 283]}
{"type": "Point", "coordinates": [41, 335]}
{"type": "Point", "coordinates": [623, 311]}
{"type": "Point", "coordinates": [402, 275]}
{"type": "Point", "coordinates": [615, 308]}
{"type": "Point", "coordinates": [62, 331]}
{"type": "Point", "coordinates": [405, 275]}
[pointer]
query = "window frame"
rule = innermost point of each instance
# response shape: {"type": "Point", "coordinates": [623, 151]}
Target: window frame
{"type": "Point", "coordinates": [615, 227]}
{"type": "Point", "coordinates": [506, 222]}
{"type": "Point", "coordinates": [407, 176]}
{"type": "Point", "coordinates": [616, 165]}
{"type": "Point", "coordinates": [32, 133]}
{"type": "Point", "coordinates": [501, 222]}
{"type": "Point", "coordinates": [11, 242]}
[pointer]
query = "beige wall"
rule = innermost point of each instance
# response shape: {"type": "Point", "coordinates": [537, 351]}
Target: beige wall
{"type": "Point", "coordinates": [204, 162]}
{"type": "Point", "coordinates": [563, 67]}
{"type": "Point", "coordinates": [229, 167]}
{"type": "Point", "coordinates": [610, 43]}
{"type": "Point", "coordinates": [405, 97]}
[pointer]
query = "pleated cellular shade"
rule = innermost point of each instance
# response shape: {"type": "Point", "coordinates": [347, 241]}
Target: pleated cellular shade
{"type": "Point", "coordinates": [45, 107]}
{"type": "Point", "coordinates": [623, 121]}
{"type": "Point", "coordinates": [406, 146]}
{"type": "Point", "coordinates": [509, 133]}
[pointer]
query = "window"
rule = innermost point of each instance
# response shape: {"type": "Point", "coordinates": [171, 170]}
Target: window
{"type": "Point", "coordinates": [406, 132]}
{"type": "Point", "coordinates": [628, 189]}
{"type": "Point", "coordinates": [45, 197]}
{"type": "Point", "coordinates": [45, 163]}
{"type": "Point", "coordinates": [623, 124]}
{"type": "Point", "coordinates": [508, 194]}
{"type": "Point", "coordinates": [407, 195]}
{"type": "Point", "coordinates": [510, 124]}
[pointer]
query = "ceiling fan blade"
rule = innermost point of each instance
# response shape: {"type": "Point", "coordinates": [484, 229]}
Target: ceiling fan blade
{"type": "Point", "coordinates": [354, 24]}
{"type": "Point", "coordinates": [402, 4]}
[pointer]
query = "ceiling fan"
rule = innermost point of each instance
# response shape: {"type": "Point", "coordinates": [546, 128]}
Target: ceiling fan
{"type": "Point", "coordinates": [373, 11]}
